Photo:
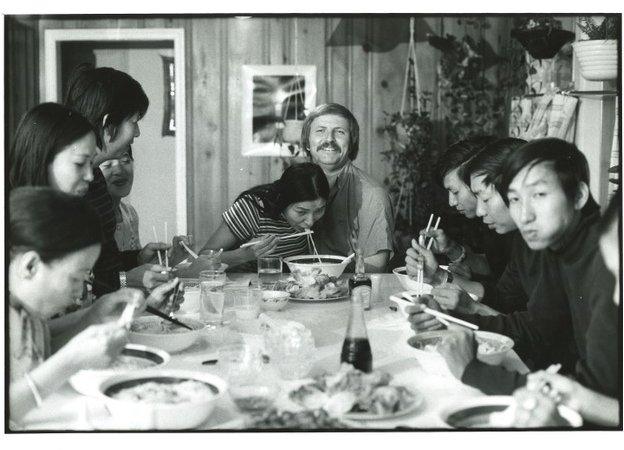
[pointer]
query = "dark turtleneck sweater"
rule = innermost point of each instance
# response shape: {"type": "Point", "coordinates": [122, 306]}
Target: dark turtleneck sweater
{"type": "Point", "coordinates": [570, 318]}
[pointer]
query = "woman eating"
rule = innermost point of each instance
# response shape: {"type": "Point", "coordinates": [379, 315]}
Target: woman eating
{"type": "Point", "coordinates": [54, 240]}
{"type": "Point", "coordinates": [268, 214]}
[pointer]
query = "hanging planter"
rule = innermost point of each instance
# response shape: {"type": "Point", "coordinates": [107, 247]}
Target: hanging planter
{"type": "Point", "coordinates": [598, 56]}
{"type": "Point", "coordinates": [542, 43]}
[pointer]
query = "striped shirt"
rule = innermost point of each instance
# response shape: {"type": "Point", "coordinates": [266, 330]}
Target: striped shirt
{"type": "Point", "coordinates": [246, 221]}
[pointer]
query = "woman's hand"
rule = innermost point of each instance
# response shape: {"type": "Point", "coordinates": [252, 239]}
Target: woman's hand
{"type": "Point", "coordinates": [534, 410]}
{"type": "Point", "coordinates": [95, 347]}
{"type": "Point", "coordinates": [162, 298]}
{"type": "Point", "coordinates": [453, 297]}
{"type": "Point", "coordinates": [420, 320]}
{"type": "Point", "coordinates": [177, 253]}
{"type": "Point", "coordinates": [149, 253]}
{"type": "Point", "coordinates": [572, 393]}
{"type": "Point", "coordinates": [147, 276]}
{"type": "Point", "coordinates": [264, 247]}
{"type": "Point", "coordinates": [418, 256]}
{"type": "Point", "coordinates": [110, 306]}
{"type": "Point", "coordinates": [458, 349]}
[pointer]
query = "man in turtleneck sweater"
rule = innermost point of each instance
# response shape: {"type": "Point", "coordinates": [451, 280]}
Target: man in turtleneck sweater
{"type": "Point", "coordinates": [569, 318]}
{"type": "Point", "coordinates": [358, 212]}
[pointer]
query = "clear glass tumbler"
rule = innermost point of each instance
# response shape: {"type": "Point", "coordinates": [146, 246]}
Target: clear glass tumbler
{"type": "Point", "coordinates": [211, 296]}
{"type": "Point", "coordinates": [269, 271]}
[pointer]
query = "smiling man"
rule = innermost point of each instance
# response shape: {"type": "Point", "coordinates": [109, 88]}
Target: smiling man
{"type": "Point", "coordinates": [546, 183]}
{"type": "Point", "coordinates": [359, 212]}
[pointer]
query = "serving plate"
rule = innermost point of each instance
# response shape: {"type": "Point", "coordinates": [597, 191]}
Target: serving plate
{"type": "Point", "coordinates": [417, 403]}
{"type": "Point", "coordinates": [318, 300]}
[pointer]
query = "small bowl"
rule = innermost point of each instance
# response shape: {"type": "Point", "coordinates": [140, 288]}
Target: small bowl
{"type": "Point", "coordinates": [428, 340]}
{"type": "Point", "coordinates": [161, 415]}
{"type": "Point", "coordinates": [475, 412]}
{"type": "Point", "coordinates": [274, 300]}
{"type": "Point", "coordinates": [308, 265]}
{"type": "Point", "coordinates": [408, 283]}
{"type": "Point", "coordinates": [493, 347]}
{"type": "Point", "coordinates": [171, 342]}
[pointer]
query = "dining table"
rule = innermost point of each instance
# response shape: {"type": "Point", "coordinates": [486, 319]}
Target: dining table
{"type": "Point", "coordinates": [424, 372]}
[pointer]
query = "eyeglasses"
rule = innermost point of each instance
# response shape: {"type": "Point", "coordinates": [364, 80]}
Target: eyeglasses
{"type": "Point", "coordinates": [124, 161]}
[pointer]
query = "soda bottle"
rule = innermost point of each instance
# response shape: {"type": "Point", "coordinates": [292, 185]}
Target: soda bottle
{"type": "Point", "coordinates": [360, 284]}
{"type": "Point", "coordinates": [356, 349]}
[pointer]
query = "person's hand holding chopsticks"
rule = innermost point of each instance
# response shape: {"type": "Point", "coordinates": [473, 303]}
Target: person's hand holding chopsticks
{"type": "Point", "coordinates": [419, 319]}
{"type": "Point", "coordinates": [264, 247]}
{"type": "Point", "coordinates": [418, 255]}
{"type": "Point", "coordinates": [458, 349]}
{"type": "Point", "coordinates": [109, 307]}
{"type": "Point", "coordinates": [163, 297]}
{"type": "Point", "coordinates": [177, 253]}
{"type": "Point", "coordinates": [147, 276]}
{"type": "Point", "coordinates": [453, 297]}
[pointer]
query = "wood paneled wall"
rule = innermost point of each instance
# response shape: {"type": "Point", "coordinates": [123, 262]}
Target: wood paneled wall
{"type": "Point", "coordinates": [369, 83]}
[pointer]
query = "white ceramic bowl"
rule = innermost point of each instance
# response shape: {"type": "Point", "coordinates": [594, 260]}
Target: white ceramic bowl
{"type": "Point", "coordinates": [160, 416]}
{"type": "Point", "coordinates": [171, 342]}
{"type": "Point", "coordinates": [87, 381]}
{"type": "Point", "coordinates": [408, 283]}
{"type": "Point", "coordinates": [307, 265]}
{"type": "Point", "coordinates": [475, 412]}
{"type": "Point", "coordinates": [274, 300]}
{"type": "Point", "coordinates": [501, 344]}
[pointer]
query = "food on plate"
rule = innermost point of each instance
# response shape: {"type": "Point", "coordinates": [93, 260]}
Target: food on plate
{"type": "Point", "coordinates": [487, 347]}
{"type": "Point", "coordinates": [161, 327]}
{"type": "Point", "coordinates": [163, 392]}
{"type": "Point", "coordinates": [314, 285]}
{"type": "Point", "coordinates": [128, 362]}
{"type": "Point", "coordinates": [308, 419]}
{"type": "Point", "coordinates": [350, 390]}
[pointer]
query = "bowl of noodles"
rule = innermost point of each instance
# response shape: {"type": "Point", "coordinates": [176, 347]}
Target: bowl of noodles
{"type": "Point", "coordinates": [167, 399]}
{"type": "Point", "coordinates": [308, 266]}
{"type": "Point", "coordinates": [156, 332]}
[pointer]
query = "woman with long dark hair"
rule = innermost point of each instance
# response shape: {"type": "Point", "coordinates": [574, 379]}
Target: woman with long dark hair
{"type": "Point", "coordinates": [270, 211]}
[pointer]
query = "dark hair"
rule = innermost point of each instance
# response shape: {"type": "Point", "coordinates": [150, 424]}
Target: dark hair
{"type": "Point", "coordinates": [299, 183]}
{"type": "Point", "coordinates": [50, 222]}
{"type": "Point", "coordinates": [41, 134]}
{"type": "Point", "coordinates": [458, 153]}
{"type": "Point", "coordinates": [568, 163]}
{"type": "Point", "coordinates": [339, 110]}
{"type": "Point", "coordinates": [490, 161]}
{"type": "Point", "coordinates": [96, 92]}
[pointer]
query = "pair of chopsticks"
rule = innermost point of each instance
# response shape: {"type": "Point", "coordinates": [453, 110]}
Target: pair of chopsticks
{"type": "Point", "coordinates": [440, 316]}
{"type": "Point", "coordinates": [159, 313]}
{"type": "Point", "coordinates": [158, 251]}
{"type": "Point", "coordinates": [303, 233]}
{"type": "Point", "coordinates": [435, 227]}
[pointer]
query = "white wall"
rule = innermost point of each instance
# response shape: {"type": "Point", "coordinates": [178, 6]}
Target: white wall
{"type": "Point", "coordinates": [153, 193]}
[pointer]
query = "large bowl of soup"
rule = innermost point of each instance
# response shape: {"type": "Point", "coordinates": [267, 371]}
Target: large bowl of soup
{"type": "Point", "coordinates": [156, 332]}
{"type": "Point", "coordinates": [163, 399]}
{"type": "Point", "coordinates": [308, 266]}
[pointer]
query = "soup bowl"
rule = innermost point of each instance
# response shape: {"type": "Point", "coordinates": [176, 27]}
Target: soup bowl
{"type": "Point", "coordinates": [302, 266]}
{"type": "Point", "coordinates": [408, 283]}
{"type": "Point", "coordinates": [162, 399]}
{"type": "Point", "coordinates": [156, 332]}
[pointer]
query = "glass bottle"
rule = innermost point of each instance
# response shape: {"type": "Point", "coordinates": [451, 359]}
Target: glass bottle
{"type": "Point", "coordinates": [360, 284]}
{"type": "Point", "coordinates": [356, 349]}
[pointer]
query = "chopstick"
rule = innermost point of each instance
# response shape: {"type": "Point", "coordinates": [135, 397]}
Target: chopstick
{"type": "Point", "coordinates": [156, 240]}
{"type": "Point", "coordinates": [437, 314]}
{"type": "Point", "coordinates": [189, 251]}
{"type": "Point", "coordinates": [157, 312]}
{"type": "Point", "coordinates": [435, 227]}
{"type": "Point", "coordinates": [249, 244]}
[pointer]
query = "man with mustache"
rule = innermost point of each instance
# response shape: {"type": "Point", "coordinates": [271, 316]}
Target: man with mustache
{"type": "Point", "coordinates": [358, 212]}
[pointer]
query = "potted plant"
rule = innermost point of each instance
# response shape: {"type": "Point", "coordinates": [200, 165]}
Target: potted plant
{"type": "Point", "coordinates": [598, 54]}
{"type": "Point", "coordinates": [542, 37]}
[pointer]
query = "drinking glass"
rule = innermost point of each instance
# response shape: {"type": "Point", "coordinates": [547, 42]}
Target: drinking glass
{"type": "Point", "coordinates": [269, 271]}
{"type": "Point", "coordinates": [211, 296]}
{"type": "Point", "coordinates": [244, 302]}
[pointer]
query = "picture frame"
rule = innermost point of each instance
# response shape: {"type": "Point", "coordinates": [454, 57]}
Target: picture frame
{"type": "Point", "coordinates": [275, 100]}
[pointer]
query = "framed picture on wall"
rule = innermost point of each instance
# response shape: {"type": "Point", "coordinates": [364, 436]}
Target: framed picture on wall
{"type": "Point", "coordinates": [276, 99]}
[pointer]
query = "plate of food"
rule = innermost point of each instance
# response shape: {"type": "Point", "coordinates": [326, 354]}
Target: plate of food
{"type": "Point", "coordinates": [314, 288]}
{"type": "Point", "coordinates": [355, 395]}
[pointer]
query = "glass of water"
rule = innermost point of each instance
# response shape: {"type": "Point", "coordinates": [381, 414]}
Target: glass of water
{"type": "Point", "coordinates": [269, 271]}
{"type": "Point", "coordinates": [211, 296]}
